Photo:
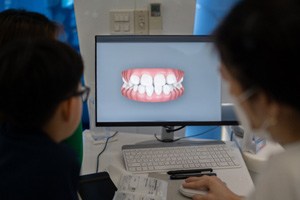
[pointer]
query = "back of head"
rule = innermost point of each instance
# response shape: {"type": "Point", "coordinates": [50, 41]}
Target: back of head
{"type": "Point", "coordinates": [259, 44]}
{"type": "Point", "coordinates": [35, 76]}
{"type": "Point", "coordinates": [22, 24]}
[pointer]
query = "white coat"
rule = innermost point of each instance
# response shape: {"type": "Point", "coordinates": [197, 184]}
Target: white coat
{"type": "Point", "coordinates": [281, 178]}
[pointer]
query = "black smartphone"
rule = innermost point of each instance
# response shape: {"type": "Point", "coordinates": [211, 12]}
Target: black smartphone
{"type": "Point", "coordinates": [96, 186]}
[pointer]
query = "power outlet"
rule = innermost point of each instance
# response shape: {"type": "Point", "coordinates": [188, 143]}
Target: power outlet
{"type": "Point", "coordinates": [141, 22]}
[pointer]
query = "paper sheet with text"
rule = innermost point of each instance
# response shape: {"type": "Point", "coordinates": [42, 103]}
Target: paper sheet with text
{"type": "Point", "coordinates": [135, 187]}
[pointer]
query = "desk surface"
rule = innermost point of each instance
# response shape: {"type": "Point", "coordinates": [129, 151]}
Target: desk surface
{"type": "Point", "coordinates": [238, 179]}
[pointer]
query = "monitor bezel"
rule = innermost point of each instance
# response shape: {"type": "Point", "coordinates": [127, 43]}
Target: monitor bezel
{"type": "Point", "coordinates": [225, 112]}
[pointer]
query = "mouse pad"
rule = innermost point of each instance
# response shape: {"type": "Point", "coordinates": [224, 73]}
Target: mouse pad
{"type": "Point", "coordinates": [96, 186]}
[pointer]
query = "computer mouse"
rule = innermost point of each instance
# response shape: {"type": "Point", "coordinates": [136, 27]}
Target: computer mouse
{"type": "Point", "coordinates": [191, 192]}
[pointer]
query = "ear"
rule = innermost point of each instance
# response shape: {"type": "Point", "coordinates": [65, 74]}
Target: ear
{"type": "Point", "coordinates": [66, 109]}
{"type": "Point", "coordinates": [64, 120]}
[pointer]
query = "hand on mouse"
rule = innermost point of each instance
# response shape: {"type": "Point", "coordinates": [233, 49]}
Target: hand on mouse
{"type": "Point", "coordinates": [217, 190]}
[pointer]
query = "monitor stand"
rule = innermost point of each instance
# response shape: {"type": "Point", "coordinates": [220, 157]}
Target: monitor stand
{"type": "Point", "coordinates": [167, 136]}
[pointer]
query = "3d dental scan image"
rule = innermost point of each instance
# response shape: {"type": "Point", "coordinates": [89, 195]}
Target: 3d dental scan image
{"type": "Point", "coordinates": [152, 84]}
{"type": "Point", "coordinates": [151, 79]}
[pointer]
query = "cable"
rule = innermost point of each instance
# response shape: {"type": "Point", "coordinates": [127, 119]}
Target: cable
{"type": "Point", "coordinates": [170, 128]}
{"type": "Point", "coordinates": [107, 139]}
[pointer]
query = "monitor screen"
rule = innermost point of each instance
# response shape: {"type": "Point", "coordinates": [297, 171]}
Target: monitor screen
{"type": "Point", "coordinates": [157, 81]}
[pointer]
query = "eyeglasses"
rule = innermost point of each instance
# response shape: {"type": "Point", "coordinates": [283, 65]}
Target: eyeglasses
{"type": "Point", "coordinates": [84, 93]}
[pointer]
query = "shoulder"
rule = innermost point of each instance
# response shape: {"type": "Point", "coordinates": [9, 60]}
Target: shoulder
{"type": "Point", "coordinates": [39, 168]}
{"type": "Point", "coordinates": [281, 178]}
{"type": "Point", "coordinates": [288, 161]}
{"type": "Point", "coordinates": [61, 159]}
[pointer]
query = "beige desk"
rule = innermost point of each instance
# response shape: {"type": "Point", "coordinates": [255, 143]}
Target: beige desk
{"type": "Point", "coordinates": [237, 179]}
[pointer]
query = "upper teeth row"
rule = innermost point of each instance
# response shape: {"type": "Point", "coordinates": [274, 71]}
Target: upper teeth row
{"type": "Point", "coordinates": [147, 84]}
{"type": "Point", "coordinates": [158, 80]}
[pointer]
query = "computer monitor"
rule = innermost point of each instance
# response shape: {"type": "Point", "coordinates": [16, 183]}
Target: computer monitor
{"type": "Point", "coordinates": [157, 80]}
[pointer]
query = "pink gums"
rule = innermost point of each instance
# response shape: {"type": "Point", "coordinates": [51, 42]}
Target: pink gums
{"type": "Point", "coordinates": [135, 95]}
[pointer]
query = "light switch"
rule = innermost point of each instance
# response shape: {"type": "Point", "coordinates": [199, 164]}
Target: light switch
{"type": "Point", "coordinates": [116, 27]}
{"type": "Point", "coordinates": [121, 22]}
{"type": "Point", "coordinates": [117, 17]}
{"type": "Point", "coordinates": [126, 17]}
{"type": "Point", "coordinates": [125, 27]}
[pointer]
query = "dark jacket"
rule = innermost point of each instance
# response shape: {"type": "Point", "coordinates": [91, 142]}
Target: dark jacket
{"type": "Point", "coordinates": [34, 167]}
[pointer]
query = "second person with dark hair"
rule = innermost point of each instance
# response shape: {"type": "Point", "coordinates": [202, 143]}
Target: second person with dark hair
{"type": "Point", "coordinates": [40, 105]}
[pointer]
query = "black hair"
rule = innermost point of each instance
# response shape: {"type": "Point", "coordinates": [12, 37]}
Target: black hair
{"type": "Point", "coordinates": [259, 43]}
{"type": "Point", "coordinates": [35, 76]}
{"type": "Point", "coordinates": [22, 24]}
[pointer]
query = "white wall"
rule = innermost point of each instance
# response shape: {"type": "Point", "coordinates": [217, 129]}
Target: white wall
{"type": "Point", "coordinates": [92, 17]}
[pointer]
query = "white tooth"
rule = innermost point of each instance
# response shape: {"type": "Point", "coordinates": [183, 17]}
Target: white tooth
{"type": "Point", "coordinates": [141, 89]}
{"type": "Point", "coordinates": [181, 80]}
{"type": "Point", "coordinates": [149, 90]}
{"type": "Point", "coordinates": [166, 89]}
{"type": "Point", "coordinates": [178, 85]}
{"type": "Point", "coordinates": [171, 79]}
{"type": "Point", "coordinates": [159, 80]}
{"type": "Point", "coordinates": [171, 87]}
{"type": "Point", "coordinates": [158, 90]}
{"type": "Point", "coordinates": [135, 88]}
{"type": "Point", "coordinates": [134, 79]}
{"type": "Point", "coordinates": [124, 80]}
{"type": "Point", "coordinates": [124, 85]}
{"type": "Point", "coordinates": [146, 80]}
{"type": "Point", "coordinates": [129, 85]}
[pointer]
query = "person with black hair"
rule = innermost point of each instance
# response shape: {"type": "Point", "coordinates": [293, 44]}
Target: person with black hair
{"type": "Point", "coordinates": [16, 24]}
{"type": "Point", "coordinates": [40, 106]}
{"type": "Point", "coordinates": [23, 24]}
{"type": "Point", "coordinates": [259, 45]}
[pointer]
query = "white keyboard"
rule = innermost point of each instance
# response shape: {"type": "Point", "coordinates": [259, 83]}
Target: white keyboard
{"type": "Point", "coordinates": [140, 158]}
